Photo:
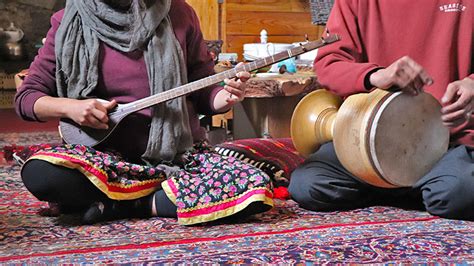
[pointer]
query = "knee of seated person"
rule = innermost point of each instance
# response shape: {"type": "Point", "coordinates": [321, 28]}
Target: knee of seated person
{"type": "Point", "coordinates": [303, 190]}
{"type": "Point", "coordinates": [33, 181]}
{"type": "Point", "coordinates": [449, 199]}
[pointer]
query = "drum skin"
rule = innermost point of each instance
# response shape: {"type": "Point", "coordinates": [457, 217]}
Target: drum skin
{"type": "Point", "coordinates": [386, 139]}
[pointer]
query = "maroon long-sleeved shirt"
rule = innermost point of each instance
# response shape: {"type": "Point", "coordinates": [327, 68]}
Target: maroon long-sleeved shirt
{"type": "Point", "coordinates": [438, 34]}
{"type": "Point", "coordinates": [123, 76]}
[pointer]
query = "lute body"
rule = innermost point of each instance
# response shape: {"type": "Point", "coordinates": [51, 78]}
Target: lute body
{"type": "Point", "coordinates": [72, 133]}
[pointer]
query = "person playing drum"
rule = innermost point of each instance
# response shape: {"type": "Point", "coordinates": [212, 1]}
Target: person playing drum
{"type": "Point", "coordinates": [415, 47]}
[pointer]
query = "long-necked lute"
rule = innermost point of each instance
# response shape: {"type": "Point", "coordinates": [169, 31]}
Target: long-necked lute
{"type": "Point", "coordinates": [72, 133]}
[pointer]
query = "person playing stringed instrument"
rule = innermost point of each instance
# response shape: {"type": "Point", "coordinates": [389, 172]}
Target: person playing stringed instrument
{"type": "Point", "coordinates": [155, 162]}
{"type": "Point", "coordinates": [409, 46]}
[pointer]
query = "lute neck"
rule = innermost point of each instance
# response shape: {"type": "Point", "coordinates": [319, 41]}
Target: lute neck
{"type": "Point", "coordinates": [228, 74]}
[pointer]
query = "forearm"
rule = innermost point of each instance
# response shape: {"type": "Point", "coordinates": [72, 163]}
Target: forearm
{"type": "Point", "coordinates": [48, 108]}
{"type": "Point", "coordinates": [344, 78]}
{"type": "Point", "coordinates": [342, 66]}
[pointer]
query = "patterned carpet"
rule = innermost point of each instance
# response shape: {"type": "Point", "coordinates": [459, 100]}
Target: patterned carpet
{"type": "Point", "coordinates": [287, 234]}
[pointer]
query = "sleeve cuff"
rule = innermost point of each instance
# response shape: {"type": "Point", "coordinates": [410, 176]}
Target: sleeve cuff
{"type": "Point", "coordinates": [367, 85]}
{"type": "Point", "coordinates": [29, 100]}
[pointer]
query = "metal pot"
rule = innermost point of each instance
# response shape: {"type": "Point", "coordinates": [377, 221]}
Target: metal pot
{"type": "Point", "coordinates": [14, 51]}
{"type": "Point", "coordinates": [10, 45]}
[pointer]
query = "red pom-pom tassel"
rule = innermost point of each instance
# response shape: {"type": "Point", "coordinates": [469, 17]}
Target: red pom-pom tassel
{"type": "Point", "coordinates": [281, 193]}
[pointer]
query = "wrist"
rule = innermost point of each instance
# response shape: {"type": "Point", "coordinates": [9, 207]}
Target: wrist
{"type": "Point", "coordinates": [64, 107]}
{"type": "Point", "coordinates": [220, 102]}
{"type": "Point", "coordinates": [368, 83]}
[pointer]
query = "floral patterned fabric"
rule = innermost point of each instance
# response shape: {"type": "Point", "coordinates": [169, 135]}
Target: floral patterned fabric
{"type": "Point", "coordinates": [206, 187]}
{"type": "Point", "coordinates": [212, 186]}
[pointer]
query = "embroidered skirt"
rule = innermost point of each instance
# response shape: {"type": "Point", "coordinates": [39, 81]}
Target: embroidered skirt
{"type": "Point", "coordinates": [207, 187]}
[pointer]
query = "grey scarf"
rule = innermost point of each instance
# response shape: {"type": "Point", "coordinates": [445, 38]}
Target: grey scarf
{"type": "Point", "coordinates": [85, 23]}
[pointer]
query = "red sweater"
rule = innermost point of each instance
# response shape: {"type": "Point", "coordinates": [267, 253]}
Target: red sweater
{"type": "Point", "coordinates": [438, 34]}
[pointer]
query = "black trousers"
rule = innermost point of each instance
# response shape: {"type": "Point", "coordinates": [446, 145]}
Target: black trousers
{"type": "Point", "coordinates": [321, 183]}
{"type": "Point", "coordinates": [70, 188]}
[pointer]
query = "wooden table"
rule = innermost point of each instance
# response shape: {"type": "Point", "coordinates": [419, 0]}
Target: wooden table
{"type": "Point", "coordinates": [267, 109]}
{"type": "Point", "coordinates": [275, 85]}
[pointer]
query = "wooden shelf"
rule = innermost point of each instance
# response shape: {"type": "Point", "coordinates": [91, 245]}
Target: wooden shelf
{"type": "Point", "coordinates": [240, 21]}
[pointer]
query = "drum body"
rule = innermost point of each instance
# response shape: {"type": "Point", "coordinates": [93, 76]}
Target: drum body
{"type": "Point", "coordinates": [386, 139]}
{"type": "Point", "coordinates": [389, 139]}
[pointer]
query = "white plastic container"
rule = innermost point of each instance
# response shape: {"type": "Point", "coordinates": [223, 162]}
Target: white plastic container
{"type": "Point", "coordinates": [253, 51]}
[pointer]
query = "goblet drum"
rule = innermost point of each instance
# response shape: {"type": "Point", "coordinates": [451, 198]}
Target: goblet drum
{"type": "Point", "coordinates": [386, 139]}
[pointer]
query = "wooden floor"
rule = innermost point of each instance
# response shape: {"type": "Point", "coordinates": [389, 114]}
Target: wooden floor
{"type": "Point", "coordinates": [10, 122]}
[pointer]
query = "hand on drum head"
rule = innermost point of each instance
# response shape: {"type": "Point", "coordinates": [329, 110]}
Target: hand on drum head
{"type": "Point", "coordinates": [458, 102]}
{"type": "Point", "coordinates": [404, 74]}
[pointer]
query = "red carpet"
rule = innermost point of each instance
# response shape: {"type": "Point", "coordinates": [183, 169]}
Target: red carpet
{"type": "Point", "coordinates": [10, 122]}
{"type": "Point", "coordinates": [287, 234]}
